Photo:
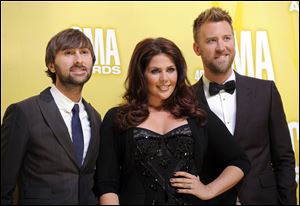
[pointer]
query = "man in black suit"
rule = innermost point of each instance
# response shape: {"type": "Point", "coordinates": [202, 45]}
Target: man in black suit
{"type": "Point", "coordinates": [252, 111]}
{"type": "Point", "coordinates": [50, 142]}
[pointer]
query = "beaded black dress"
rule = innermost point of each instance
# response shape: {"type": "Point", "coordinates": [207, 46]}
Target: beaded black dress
{"type": "Point", "coordinates": [137, 163]}
{"type": "Point", "coordinates": [157, 157]}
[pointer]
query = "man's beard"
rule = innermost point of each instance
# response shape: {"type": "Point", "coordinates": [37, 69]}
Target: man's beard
{"type": "Point", "coordinates": [222, 68]}
{"type": "Point", "coordinates": [71, 80]}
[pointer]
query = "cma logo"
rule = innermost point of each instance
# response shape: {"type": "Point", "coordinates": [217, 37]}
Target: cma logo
{"type": "Point", "coordinates": [294, 6]}
{"type": "Point", "coordinates": [105, 48]}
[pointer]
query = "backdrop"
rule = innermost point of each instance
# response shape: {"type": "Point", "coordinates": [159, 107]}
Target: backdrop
{"type": "Point", "coordinates": [267, 40]}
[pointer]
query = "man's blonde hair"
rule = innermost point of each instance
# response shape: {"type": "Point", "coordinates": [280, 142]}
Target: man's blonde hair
{"type": "Point", "coordinates": [213, 14]}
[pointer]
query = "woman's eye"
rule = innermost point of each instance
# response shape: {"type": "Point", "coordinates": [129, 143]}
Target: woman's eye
{"type": "Point", "coordinates": [154, 71]}
{"type": "Point", "coordinates": [171, 69]}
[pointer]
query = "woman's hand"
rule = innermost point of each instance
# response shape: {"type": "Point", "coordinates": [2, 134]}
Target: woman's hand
{"type": "Point", "coordinates": [187, 183]}
{"type": "Point", "coordinates": [191, 184]}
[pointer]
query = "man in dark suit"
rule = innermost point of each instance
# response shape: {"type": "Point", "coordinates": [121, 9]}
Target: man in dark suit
{"type": "Point", "coordinates": [252, 111]}
{"type": "Point", "coordinates": [50, 142]}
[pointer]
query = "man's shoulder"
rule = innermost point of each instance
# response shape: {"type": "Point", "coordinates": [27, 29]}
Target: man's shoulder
{"type": "Point", "coordinates": [33, 99]}
{"type": "Point", "coordinates": [198, 83]}
{"type": "Point", "coordinates": [29, 102]}
{"type": "Point", "coordinates": [252, 80]}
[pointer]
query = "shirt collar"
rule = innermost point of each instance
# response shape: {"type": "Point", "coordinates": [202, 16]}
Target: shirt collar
{"type": "Point", "coordinates": [62, 101]}
{"type": "Point", "coordinates": [206, 81]}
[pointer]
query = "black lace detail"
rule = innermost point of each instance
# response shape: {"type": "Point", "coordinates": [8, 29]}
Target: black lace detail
{"type": "Point", "coordinates": [158, 156]}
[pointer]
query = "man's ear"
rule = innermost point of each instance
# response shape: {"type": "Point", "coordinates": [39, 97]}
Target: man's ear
{"type": "Point", "coordinates": [196, 48]}
{"type": "Point", "coordinates": [51, 67]}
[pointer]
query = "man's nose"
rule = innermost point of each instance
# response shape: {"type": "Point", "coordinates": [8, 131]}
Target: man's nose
{"type": "Point", "coordinates": [220, 46]}
{"type": "Point", "coordinates": [78, 58]}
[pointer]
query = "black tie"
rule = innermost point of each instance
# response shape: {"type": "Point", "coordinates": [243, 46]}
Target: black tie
{"type": "Point", "coordinates": [77, 134]}
{"type": "Point", "coordinates": [214, 88]}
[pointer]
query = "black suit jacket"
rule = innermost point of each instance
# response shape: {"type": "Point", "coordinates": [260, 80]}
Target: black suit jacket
{"type": "Point", "coordinates": [261, 130]}
{"type": "Point", "coordinates": [37, 154]}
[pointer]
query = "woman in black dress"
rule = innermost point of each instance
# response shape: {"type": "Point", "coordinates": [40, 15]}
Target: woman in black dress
{"type": "Point", "coordinates": [153, 145]}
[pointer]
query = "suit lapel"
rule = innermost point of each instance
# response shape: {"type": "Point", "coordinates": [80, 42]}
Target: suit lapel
{"type": "Point", "coordinates": [94, 133]}
{"type": "Point", "coordinates": [55, 121]}
{"type": "Point", "coordinates": [243, 101]}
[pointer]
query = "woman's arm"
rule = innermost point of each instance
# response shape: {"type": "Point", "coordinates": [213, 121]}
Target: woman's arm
{"type": "Point", "coordinates": [107, 165]}
{"type": "Point", "coordinates": [230, 176]}
{"type": "Point", "coordinates": [191, 184]}
{"type": "Point", "coordinates": [109, 199]}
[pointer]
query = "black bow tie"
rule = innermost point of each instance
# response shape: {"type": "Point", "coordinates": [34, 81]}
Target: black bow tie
{"type": "Point", "coordinates": [214, 88]}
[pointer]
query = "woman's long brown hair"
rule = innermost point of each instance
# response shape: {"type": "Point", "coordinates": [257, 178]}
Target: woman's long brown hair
{"type": "Point", "coordinates": [182, 102]}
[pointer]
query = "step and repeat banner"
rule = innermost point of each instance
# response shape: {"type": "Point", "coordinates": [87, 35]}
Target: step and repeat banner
{"type": "Point", "coordinates": [266, 34]}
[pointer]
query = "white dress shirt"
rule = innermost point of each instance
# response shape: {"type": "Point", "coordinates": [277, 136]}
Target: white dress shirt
{"type": "Point", "coordinates": [65, 106]}
{"type": "Point", "coordinates": [222, 104]}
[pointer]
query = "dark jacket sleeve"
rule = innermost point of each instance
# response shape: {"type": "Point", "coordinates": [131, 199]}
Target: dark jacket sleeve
{"type": "Point", "coordinates": [281, 149]}
{"type": "Point", "coordinates": [14, 138]}
{"type": "Point", "coordinates": [108, 165]}
{"type": "Point", "coordinates": [223, 145]}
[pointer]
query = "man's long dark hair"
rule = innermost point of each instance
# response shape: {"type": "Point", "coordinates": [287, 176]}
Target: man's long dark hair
{"type": "Point", "coordinates": [182, 102]}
